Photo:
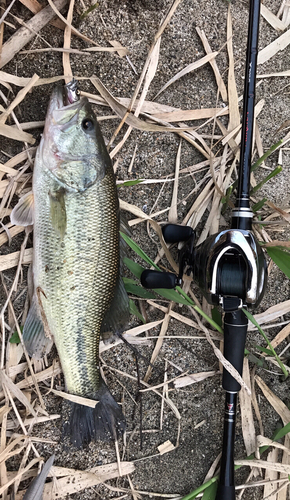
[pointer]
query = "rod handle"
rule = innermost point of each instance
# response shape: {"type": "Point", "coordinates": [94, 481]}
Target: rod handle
{"type": "Point", "coordinates": [225, 492]}
{"type": "Point", "coordinates": [235, 332]}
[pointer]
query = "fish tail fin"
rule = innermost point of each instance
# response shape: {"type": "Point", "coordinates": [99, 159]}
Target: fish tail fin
{"type": "Point", "coordinates": [105, 421]}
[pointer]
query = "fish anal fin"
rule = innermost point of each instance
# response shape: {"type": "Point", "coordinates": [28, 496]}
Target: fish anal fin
{"type": "Point", "coordinates": [23, 213]}
{"type": "Point", "coordinates": [36, 339]}
{"type": "Point", "coordinates": [117, 316]}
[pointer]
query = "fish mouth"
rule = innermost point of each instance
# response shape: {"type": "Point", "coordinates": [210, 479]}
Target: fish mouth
{"type": "Point", "coordinates": [63, 99]}
{"type": "Point", "coordinates": [63, 109]}
{"type": "Point", "coordinates": [65, 95]}
{"type": "Point", "coordinates": [62, 116]}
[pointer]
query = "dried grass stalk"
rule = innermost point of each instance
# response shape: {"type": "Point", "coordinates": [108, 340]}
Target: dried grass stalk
{"type": "Point", "coordinates": [248, 426]}
{"type": "Point", "coordinates": [17, 135]}
{"type": "Point", "coordinates": [159, 342]}
{"type": "Point", "coordinates": [34, 6]}
{"type": "Point", "coordinates": [273, 20]}
{"type": "Point", "coordinates": [234, 120]}
{"type": "Point", "coordinates": [191, 67]}
{"type": "Point", "coordinates": [27, 33]}
{"type": "Point", "coordinates": [20, 96]}
{"type": "Point", "coordinates": [172, 214]}
{"type": "Point", "coordinates": [66, 44]}
{"type": "Point", "coordinates": [220, 83]}
{"type": "Point", "coordinates": [273, 48]}
{"type": "Point", "coordinates": [192, 379]}
{"type": "Point", "coordinates": [269, 488]}
{"type": "Point", "coordinates": [277, 404]}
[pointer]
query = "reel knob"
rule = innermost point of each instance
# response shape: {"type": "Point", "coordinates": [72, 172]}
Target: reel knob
{"type": "Point", "coordinates": [173, 233]}
{"type": "Point", "coordinates": [156, 279]}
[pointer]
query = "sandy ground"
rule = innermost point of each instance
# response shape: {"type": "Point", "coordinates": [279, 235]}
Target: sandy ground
{"type": "Point", "coordinates": [134, 24]}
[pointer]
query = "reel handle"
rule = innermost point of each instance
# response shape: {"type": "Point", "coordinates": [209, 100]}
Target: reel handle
{"type": "Point", "coordinates": [235, 332]}
{"type": "Point", "coordinates": [174, 233]}
{"type": "Point", "coordinates": [156, 279]}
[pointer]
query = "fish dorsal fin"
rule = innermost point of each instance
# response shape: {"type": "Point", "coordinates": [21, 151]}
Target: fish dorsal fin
{"type": "Point", "coordinates": [117, 316]}
{"type": "Point", "coordinates": [23, 213]}
{"type": "Point", "coordinates": [36, 341]}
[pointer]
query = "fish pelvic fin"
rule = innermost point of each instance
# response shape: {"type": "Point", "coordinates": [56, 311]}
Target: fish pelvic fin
{"type": "Point", "coordinates": [104, 422]}
{"type": "Point", "coordinates": [36, 336]}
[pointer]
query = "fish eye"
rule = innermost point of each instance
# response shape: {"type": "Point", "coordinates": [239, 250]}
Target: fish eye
{"type": "Point", "coordinates": [88, 125]}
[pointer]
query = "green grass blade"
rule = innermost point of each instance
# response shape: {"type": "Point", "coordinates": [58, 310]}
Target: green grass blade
{"type": "Point", "coordinates": [259, 362]}
{"type": "Point", "coordinates": [139, 291]}
{"type": "Point", "coordinates": [171, 295]}
{"type": "Point", "coordinates": [265, 156]}
{"type": "Point", "coordinates": [225, 200]}
{"type": "Point", "coordinates": [281, 257]}
{"type": "Point", "coordinates": [200, 311]}
{"type": "Point", "coordinates": [200, 489]}
{"type": "Point", "coordinates": [210, 492]}
{"type": "Point", "coordinates": [259, 205]}
{"type": "Point", "coordinates": [135, 268]}
{"type": "Point", "coordinates": [216, 316]}
{"type": "Point", "coordinates": [260, 160]}
{"type": "Point", "coordinates": [252, 319]}
{"type": "Point", "coordinates": [134, 310]}
{"type": "Point", "coordinates": [272, 174]}
{"type": "Point", "coordinates": [88, 11]}
{"type": "Point", "coordinates": [14, 339]}
{"type": "Point", "coordinates": [130, 183]}
{"type": "Point", "coordinates": [138, 250]}
{"type": "Point", "coordinates": [264, 350]}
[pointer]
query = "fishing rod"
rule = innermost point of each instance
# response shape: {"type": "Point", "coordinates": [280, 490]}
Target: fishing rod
{"type": "Point", "coordinates": [229, 267]}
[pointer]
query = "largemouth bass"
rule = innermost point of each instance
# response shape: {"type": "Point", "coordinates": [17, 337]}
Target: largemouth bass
{"type": "Point", "coordinates": [77, 287]}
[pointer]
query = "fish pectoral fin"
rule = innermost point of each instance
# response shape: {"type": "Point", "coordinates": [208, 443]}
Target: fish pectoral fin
{"type": "Point", "coordinates": [37, 341]}
{"type": "Point", "coordinates": [23, 213]}
{"type": "Point", "coordinates": [117, 316]}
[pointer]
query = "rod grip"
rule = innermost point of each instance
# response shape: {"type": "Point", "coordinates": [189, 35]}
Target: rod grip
{"type": "Point", "coordinates": [225, 492]}
{"type": "Point", "coordinates": [235, 332]}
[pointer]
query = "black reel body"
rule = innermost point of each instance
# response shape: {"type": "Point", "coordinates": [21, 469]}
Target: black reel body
{"type": "Point", "coordinates": [229, 267]}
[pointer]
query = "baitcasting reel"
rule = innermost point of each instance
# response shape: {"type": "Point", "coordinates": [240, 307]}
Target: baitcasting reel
{"type": "Point", "coordinates": [229, 267]}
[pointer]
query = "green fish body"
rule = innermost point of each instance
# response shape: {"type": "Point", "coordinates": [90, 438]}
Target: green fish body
{"type": "Point", "coordinates": [77, 288]}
